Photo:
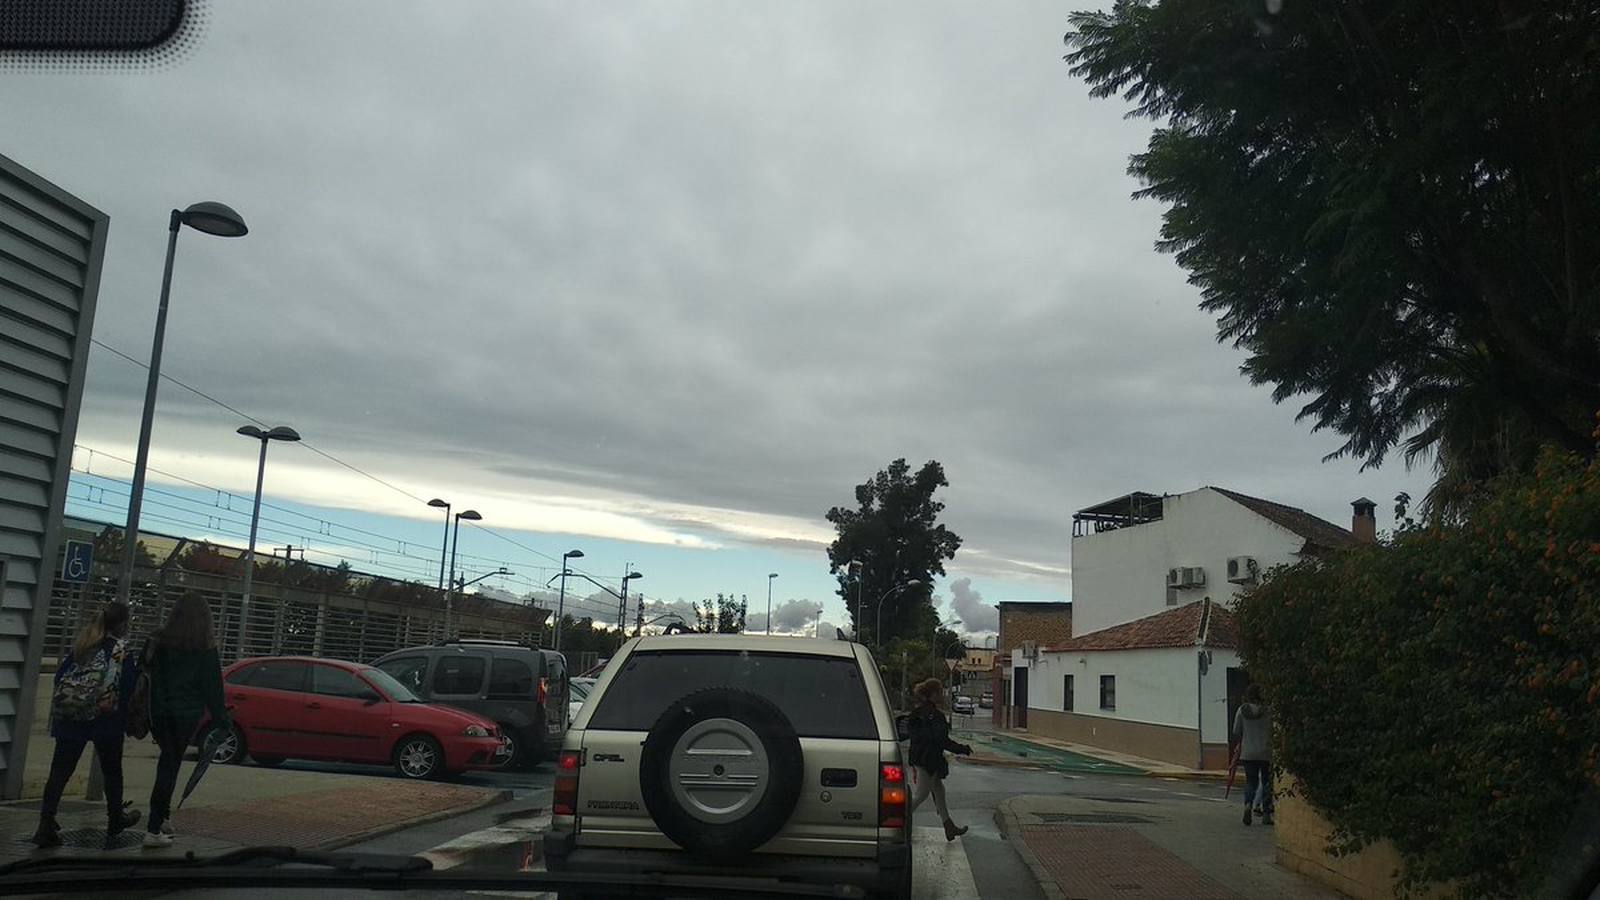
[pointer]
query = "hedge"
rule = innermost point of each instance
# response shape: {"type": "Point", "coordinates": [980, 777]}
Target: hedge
{"type": "Point", "coordinates": [1439, 690]}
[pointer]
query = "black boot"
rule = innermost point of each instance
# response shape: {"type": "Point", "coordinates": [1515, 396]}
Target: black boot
{"type": "Point", "coordinates": [125, 819]}
{"type": "Point", "coordinates": [48, 835]}
{"type": "Point", "coordinates": [1247, 815]}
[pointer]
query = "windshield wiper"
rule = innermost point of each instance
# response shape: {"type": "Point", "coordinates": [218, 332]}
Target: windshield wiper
{"type": "Point", "coordinates": [251, 868]}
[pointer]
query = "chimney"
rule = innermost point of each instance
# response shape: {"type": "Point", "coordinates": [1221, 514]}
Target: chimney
{"type": "Point", "coordinates": [1364, 523]}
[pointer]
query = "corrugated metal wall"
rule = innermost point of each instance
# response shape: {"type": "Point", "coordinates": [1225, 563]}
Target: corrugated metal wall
{"type": "Point", "coordinates": [51, 246]}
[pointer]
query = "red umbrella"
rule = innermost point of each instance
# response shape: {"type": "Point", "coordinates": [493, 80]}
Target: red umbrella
{"type": "Point", "coordinates": [1233, 768]}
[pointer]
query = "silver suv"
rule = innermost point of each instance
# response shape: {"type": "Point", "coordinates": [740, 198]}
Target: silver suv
{"type": "Point", "coordinates": [728, 755]}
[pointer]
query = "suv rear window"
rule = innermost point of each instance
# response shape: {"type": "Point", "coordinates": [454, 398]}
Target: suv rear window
{"type": "Point", "coordinates": [822, 695]}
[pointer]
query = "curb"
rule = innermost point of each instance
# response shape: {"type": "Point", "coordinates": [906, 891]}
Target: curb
{"type": "Point", "coordinates": [488, 799]}
{"type": "Point", "coordinates": [1139, 771]}
{"type": "Point", "coordinates": [513, 842]}
{"type": "Point", "coordinates": [1011, 828]}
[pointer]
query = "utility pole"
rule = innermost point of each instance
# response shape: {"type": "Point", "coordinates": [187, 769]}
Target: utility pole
{"type": "Point", "coordinates": [288, 553]}
{"type": "Point", "coordinates": [622, 601]}
{"type": "Point", "coordinates": [638, 624]}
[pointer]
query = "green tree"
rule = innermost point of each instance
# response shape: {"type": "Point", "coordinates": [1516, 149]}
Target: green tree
{"type": "Point", "coordinates": [895, 534]}
{"type": "Point", "coordinates": [1394, 209]}
{"type": "Point", "coordinates": [1441, 691]}
{"type": "Point", "coordinates": [724, 615]}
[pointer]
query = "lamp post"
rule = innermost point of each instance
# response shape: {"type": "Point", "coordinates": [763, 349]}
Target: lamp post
{"type": "Point", "coordinates": [855, 568]}
{"type": "Point", "coordinates": [211, 218]}
{"type": "Point", "coordinates": [279, 433]}
{"type": "Point", "coordinates": [622, 617]}
{"type": "Point", "coordinates": [444, 549]}
{"type": "Point", "coordinates": [471, 515]}
{"type": "Point", "coordinates": [877, 628]}
{"type": "Point", "coordinates": [561, 602]}
{"type": "Point", "coordinates": [769, 601]}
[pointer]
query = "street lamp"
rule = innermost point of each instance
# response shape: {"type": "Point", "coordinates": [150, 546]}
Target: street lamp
{"type": "Point", "coordinates": [471, 515]}
{"type": "Point", "coordinates": [622, 618]}
{"type": "Point", "coordinates": [877, 628]}
{"type": "Point", "coordinates": [769, 601]}
{"type": "Point", "coordinates": [561, 602]}
{"type": "Point", "coordinates": [279, 433]}
{"type": "Point", "coordinates": [211, 218]}
{"type": "Point", "coordinates": [444, 549]}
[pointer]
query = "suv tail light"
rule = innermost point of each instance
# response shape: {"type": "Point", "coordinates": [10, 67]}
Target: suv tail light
{"type": "Point", "coordinates": [566, 783]}
{"type": "Point", "coordinates": [544, 690]}
{"type": "Point", "coordinates": [892, 796]}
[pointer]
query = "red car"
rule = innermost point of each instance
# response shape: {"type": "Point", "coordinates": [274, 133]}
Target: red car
{"type": "Point", "coordinates": [294, 707]}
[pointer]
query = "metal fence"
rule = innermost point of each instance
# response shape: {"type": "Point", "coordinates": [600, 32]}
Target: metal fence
{"type": "Point", "coordinates": [283, 619]}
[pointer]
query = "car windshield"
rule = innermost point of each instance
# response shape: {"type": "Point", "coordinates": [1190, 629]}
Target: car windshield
{"type": "Point", "coordinates": [1155, 436]}
{"type": "Point", "coordinates": [391, 688]}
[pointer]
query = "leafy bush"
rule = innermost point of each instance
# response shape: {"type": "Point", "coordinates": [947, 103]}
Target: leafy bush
{"type": "Point", "coordinates": [1440, 690]}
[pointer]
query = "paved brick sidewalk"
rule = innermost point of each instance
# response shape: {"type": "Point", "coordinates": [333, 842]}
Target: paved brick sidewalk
{"type": "Point", "coordinates": [1114, 862]}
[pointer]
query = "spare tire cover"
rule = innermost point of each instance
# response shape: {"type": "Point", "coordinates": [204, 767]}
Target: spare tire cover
{"type": "Point", "coordinates": [720, 771]}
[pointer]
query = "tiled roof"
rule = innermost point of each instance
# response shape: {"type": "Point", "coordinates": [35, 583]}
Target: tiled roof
{"type": "Point", "coordinates": [1181, 626]}
{"type": "Point", "coordinates": [1317, 532]}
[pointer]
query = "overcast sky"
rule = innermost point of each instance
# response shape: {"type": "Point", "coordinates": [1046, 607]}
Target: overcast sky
{"type": "Point", "coordinates": [675, 274]}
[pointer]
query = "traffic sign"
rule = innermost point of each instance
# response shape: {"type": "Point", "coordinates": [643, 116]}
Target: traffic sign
{"type": "Point", "coordinates": [78, 561]}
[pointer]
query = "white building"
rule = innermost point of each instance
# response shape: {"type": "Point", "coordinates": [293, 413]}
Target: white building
{"type": "Point", "coordinates": [1151, 667]}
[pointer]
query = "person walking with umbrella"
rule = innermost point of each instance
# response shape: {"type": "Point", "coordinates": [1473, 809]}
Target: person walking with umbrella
{"type": "Point", "coordinates": [185, 683]}
{"type": "Point", "coordinates": [90, 705]}
{"type": "Point", "coordinates": [1252, 726]}
{"type": "Point", "coordinates": [930, 739]}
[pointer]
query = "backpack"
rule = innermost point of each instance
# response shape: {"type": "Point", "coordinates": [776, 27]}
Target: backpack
{"type": "Point", "coordinates": [138, 726]}
{"type": "Point", "coordinates": [88, 691]}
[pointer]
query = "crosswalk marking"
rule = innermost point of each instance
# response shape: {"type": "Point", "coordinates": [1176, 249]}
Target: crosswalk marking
{"type": "Point", "coordinates": [940, 869]}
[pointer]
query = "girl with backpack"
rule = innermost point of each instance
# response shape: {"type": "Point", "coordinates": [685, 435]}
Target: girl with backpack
{"type": "Point", "coordinates": [90, 705]}
{"type": "Point", "coordinates": [185, 684]}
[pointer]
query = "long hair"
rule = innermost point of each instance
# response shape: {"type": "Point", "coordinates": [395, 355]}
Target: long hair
{"type": "Point", "coordinates": [189, 627]}
{"type": "Point", "coordinates": [110, 621]}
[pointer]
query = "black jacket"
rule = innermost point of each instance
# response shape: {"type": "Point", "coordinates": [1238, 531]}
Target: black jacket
{"type": "Point", "coordinates": [930, 740]}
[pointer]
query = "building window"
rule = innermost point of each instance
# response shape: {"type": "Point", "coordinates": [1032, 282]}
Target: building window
{"type": "Point", "coordinates": [1066, 693]}
{"type": "Point", "coordinates": [1108, 692]}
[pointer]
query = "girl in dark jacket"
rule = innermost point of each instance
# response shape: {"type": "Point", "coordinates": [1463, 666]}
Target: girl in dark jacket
{"type": "Point", "coordinates": [185, 684]}
{"type": "Point", "coordinates": [930, 739]}
{"type": "Point", "coordinates": [100, 647]}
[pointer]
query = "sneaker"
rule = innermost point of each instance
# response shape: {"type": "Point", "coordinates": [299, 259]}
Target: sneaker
{"type": "Point", "coordinates": [1247, 815]}
{"type": "Point", "coordinates": [126, 819]}
{"type": "Point", "coordinates": [166, 829]}
{"type": "Point", "coordinates": [153, 841]}
{"type": "Point", "coordinates": [47, 836]}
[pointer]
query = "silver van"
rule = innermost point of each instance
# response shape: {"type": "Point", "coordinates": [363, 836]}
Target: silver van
{"type": "Point", "coordinates": [763, 758]}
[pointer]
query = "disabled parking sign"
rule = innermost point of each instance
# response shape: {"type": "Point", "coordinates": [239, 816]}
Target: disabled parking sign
{"type": "Point", "coordinates": [77, 561]}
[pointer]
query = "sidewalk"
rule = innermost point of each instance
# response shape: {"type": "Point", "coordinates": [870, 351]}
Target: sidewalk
{"type": "Point", "coordinates": [234, 806]}
{"type": "Point", "coordinates": [1095, 849]}
{"type": "Point", "coordinates": [1051, 753]}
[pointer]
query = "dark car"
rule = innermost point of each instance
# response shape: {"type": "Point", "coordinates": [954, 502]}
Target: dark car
{"type": "Point", "coordinates": [520, 688]}
{"type": "Point", "coordinates": [292, 707]}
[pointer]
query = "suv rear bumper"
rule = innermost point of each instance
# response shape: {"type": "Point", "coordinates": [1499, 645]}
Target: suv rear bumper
{"type": "Point", "coordinates": [884, 873]}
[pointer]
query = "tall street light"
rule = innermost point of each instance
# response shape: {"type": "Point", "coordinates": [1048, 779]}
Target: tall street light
{"type": "Point", "coordinates": [212, 218]}
{"type": "Point", "coordinates": [622, 619]}
{"type": "Point", "coordinates": [279, 433]}
{"type": "Point", "coordinates": [444, 550]}
{"type": "Point", "coordinates": [561, 602]}
{"type": "Point", "coordinates": [471, 515]}
{"type": "Point", "coordinates": [769, 601]}
{"type": "Point", "coordinates": [877, 629]}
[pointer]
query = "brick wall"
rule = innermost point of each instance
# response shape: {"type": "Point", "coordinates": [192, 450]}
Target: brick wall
{"type": "Point", "coordinates": [1302, 838]}
{"type": "Point", "coordinates": [1042, 623]}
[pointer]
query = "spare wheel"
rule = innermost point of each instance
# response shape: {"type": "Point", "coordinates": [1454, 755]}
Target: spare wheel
{"type": "Point", "coordinates": [720, 771]}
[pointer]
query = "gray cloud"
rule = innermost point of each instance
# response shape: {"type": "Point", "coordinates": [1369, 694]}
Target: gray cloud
{"type": "Point", "coordinates": [726, 257]}
{"type": "Point", "coordinates": [976, 615]}
{"type": "Point", "coordinates": [788, 617]}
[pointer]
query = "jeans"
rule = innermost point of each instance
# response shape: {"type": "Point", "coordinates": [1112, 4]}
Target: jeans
{"type": "Point", "coordinates": [172, 736]}
{"type": "Point", "coordinates": [65, 762]}
{"type": "Point", "coordinates": [925, 783]}
{"type": "Point", "coordinates": [1258, 784]}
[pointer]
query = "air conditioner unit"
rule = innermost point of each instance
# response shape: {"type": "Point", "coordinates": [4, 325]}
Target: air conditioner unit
{"type": "Point", "coordinates": [1030, 649]}
{"type": "Point", "coordinates": [1243, 569]}
{"type": "Point", "coordinates": [1174, 578]}
{"type": "Point", "coordinates": [1194, 576]}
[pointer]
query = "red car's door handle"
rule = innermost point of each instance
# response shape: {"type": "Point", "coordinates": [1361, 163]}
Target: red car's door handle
{"type": "Point", "coordinates": [313, 705]}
